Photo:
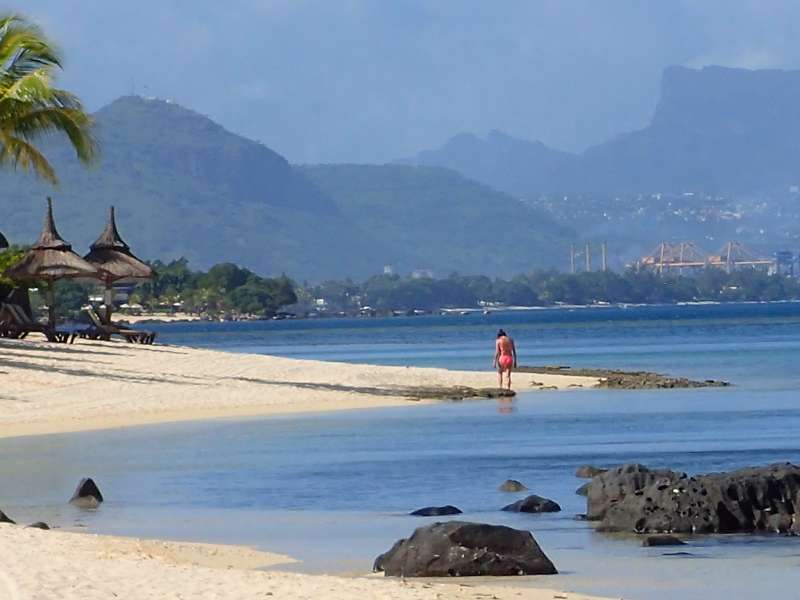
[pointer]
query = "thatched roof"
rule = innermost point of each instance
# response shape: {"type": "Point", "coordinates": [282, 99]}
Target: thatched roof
{"type": "Point", "coordinates": [51, 257]}
{"type": "Point", "coordinates": [114, 257]}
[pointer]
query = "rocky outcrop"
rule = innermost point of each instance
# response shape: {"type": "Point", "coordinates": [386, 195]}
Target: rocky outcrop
{"type": "Point", "coordinates": [436, 511]}
{"type": "Point", "coordinates": [87, 494]}
{"type": "Point", "coordinates": [533, 504]}
{"type": "Point", "coordinates": [39, 525]}
{"type": "Point", "coordinates": [627, 380]}
{"type": "Point", "coordinates": [460, 549]}
{"type": "Point", "coordinates": [588, 471]}
{"type": "Point", "coordinates": [512, 485]}
{"type": "Point", "coordinates": [4, 518]}
{"type": "Point", "coordinates": [662, 540]}
{"type": "Point", "coordinates": [754, 499]}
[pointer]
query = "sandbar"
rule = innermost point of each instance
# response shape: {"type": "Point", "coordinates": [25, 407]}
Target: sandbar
{"type": "Point", "coordinates": [56, 388]}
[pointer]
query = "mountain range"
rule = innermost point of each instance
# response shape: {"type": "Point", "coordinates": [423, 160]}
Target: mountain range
{"type": "Point", "coordinates": [184, 186]}
{"type": "Point", "coordinates": [715, 130]}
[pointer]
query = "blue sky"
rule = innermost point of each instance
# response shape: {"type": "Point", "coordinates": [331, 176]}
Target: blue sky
{"type": "Point", "coordinates": [374, 80]}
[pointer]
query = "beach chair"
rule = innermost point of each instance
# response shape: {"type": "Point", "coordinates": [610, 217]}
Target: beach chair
{"type": "Point", "coordinates": [100, 330]}
{"type": "Point", "coordinates": [15, 323]}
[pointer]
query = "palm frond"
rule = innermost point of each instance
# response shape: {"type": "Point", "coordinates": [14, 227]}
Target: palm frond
{"type": "Point", "coordinates": [20, 153]}
{"type": "Point", "coordinates": [30, 107]}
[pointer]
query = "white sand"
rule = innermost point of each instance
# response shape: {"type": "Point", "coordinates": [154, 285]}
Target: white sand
{"type": "Point", "coordinates": [49, 388]}
{"type": "Point", "coordinates": [54, 565]}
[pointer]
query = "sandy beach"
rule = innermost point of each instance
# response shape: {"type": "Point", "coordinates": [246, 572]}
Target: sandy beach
{"type": "Point", "coordinates": [51, 388]}
{"type": "Point", "coordinates": [86, 567]}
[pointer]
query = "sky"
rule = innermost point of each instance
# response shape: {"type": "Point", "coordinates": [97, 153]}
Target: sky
{"type": "Point", "coordinates": [375, 80]}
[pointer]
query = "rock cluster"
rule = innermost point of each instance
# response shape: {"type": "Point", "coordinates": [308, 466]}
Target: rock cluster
{"type": "Point", "coordinates": [588, 471]}
{"type": "Point", "coordinates": [627, 380]}
{"type": "Point", "coordinates": [460, 549]}
{"type": "Point", "coordinates": [533, 504]}
{"type": "Point", "coordinates": [635, 498]}
{"type": "Point", "coordinates": [436, 511]}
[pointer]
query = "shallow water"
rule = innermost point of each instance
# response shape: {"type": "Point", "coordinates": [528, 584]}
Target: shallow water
{"type": "Point", "coordinates": [334, 489]}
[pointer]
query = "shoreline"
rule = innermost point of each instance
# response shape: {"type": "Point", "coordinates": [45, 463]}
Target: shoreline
{"type": "Point", "coordinates": [85, 566]}
{"type": "Point", "coordinates": [92, 385]}
{"type": "Point", "coordinates": [55, 388]}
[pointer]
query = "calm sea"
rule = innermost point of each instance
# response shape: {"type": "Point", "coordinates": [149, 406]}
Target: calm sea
{"type": "Point", "coordinates": [334, 490]}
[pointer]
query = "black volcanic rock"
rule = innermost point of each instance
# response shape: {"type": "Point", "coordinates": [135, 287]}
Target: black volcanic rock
{"type": "Point", "coordinates": [512, 485]}
{"type": "Point", "coordinates": [87, 494]}
{"type": "Point", "coordinates": [662, 540]}
{"type": "Point", "coordinates": [754, 499]}
{"type": "Point", "coordinates": [460, 549]}
{"type": "Point", "coordinates": [39, 525]}
{"type": "Point", "coordinates": [436, 511]}
{"type": "Point", "coordinates": [533, 504]}
{"type": "Point", "coordinates": [4, 518]}
{"type": "Point", "coordinates": [588, 471]}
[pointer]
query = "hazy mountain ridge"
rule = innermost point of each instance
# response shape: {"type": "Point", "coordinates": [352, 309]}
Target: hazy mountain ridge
{"type": "Point", "coordinates": [504, 162]}
{"type": "Point", "coordinates": [185, 186]}
{"type": "Point", "coordinates": [716, 130]}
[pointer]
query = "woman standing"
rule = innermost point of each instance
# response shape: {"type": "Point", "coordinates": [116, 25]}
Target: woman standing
{"type": "Point", "coordinates": [505, 356]}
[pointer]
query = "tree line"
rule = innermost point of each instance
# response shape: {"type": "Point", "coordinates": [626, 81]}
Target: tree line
{"type": "Point", "coordinates": [543, 288]}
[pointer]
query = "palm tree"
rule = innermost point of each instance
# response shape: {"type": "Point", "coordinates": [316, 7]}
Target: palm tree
{"type": "Point", "coordinates": [30, 107]}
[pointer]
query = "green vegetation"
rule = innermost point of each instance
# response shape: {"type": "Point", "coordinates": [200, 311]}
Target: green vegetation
{"type": "Point", "coordinates": [184, 186]}
{"type": "Point", "coordinates": [30, 107]}
{"type": "Point", "coordinates": [391, 292]}
{"type": "Point", "coordinates": [225, 289]}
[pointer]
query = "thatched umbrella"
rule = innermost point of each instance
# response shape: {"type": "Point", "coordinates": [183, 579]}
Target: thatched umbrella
{"type": "Point", "coordinates": [115, 261]}
{"type": "Point", "coordinates": [50, 259]}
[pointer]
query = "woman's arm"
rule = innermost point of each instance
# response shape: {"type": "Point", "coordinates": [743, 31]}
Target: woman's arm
{"type": "Point", "coordinates": [496, 354]}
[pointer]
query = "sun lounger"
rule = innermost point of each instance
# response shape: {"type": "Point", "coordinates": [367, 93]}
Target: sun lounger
{"type": "Point", "coordinates": [15, 323]}
{"type": "Point", "coordinates": [99, 330]}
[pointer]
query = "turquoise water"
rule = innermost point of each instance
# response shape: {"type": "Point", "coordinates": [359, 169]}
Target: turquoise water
{"type": "Point", "coordinates": [334, 490]}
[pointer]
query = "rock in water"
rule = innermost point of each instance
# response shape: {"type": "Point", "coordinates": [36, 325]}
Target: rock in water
{"type": "Point", "coordinates": [39, 525]}
{"type": "Point", "coordinates": [662, 540]}
{"type": "Point", "coordinates": [533, 504]}
{"type": "Point", "coordinates": [589, 471]}
{"type": "Point", "coordinates": [4, 518]}
{"type": "Point", "coordinates": [460, 549]}
{"type": "Point", "coordinates": [608, 488]}
{"type": "Point", "coordinates": [436, 511]}
{"type": "Point", "coordinates": [87, 494]}
{"type": "Point", "coordinates": [584, 489]}
{"type": "Point", "coordinates": [754, 499]}
{"type": "Point", "coordinates": [512, 485]}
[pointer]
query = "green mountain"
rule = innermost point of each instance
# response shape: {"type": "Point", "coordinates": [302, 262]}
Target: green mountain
{"type": "Point", "coordinates": [184, 186]}
{"type": "Point", "coordinates": [435, 218]}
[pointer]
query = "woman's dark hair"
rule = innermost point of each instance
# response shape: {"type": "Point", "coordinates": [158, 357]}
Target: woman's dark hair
{"type": "Point", "coordinates": [502, 333]}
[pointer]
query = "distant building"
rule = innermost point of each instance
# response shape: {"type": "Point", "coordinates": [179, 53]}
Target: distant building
{"type": "Point", "coordinates": [422, 274]}
{"type": "Point", "coordinates": [388, 270]}
{"type": "Point", "coordinates": [784, 262]}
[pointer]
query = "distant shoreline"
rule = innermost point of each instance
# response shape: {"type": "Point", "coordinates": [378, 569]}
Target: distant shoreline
{"type": "Point", "coordinates": [155, 318]}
